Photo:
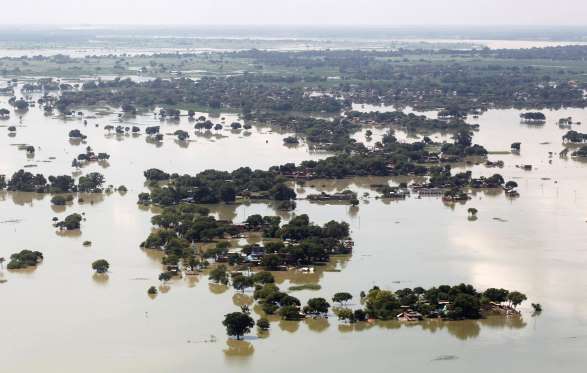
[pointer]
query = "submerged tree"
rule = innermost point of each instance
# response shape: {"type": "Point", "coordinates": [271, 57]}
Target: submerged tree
{"type": "Point", "coordinates": [238, 324]}
{"type": "Point", "coordinates": [101, 266]}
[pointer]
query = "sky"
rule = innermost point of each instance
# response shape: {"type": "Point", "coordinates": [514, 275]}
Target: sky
{"type": "Point", "coordinates": [295, 12]}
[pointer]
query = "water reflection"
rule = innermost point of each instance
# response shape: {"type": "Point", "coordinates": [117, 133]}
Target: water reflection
{"type": "Point", "coordinates": [164, 289]}
{"type": "Point", "coordinates": [318, 324]}
{"type": "Point", "coordinates": [25, 198]}
{"type": "Point", "coordinates": [238, 349]}
{"type": "Point", "coordinates": [289, 326]}
{"type": "Point", "coordinates": [463, 330]}
{"type": "Point", "coordinates": [217, 288]}
{"type": "Point", "coordinates": [192, 280]}
{"type": "Point", "coordinates": [101, 278]}
{"type": "Point", "coordinates": [240, 299]}
{"type": "Point", "coordinates": [69, 233]}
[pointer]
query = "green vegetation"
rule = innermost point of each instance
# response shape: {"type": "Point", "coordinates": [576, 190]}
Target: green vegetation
{"type": "Point", "coordinates": [213, 186]}
{"type": "Point", "coordinates": [25, 259]}
{"type": "Point", "coordinates": [458, 81]}
{"type": "Point", "coordinates": [582, 152]}
{"type": "Point", "coordinates": [24, 181]}
{"type": "Point", "coordinates": [71, 222]}
{"type": "Point", "coordinates": [60, 200]}
{"type": "Point", "coordinates": [305, 287]}
{"type": "Point", "coordinates": [533, 117]}
{"type": "Point", "coordinates": [454, 303]}
{"type": "Point", "coordinates": [411, 122]}
{"type": "Point", "coordinates": [263, 324]}
{"type": "Point", "coordinates": [101, 266]}
{"type": "Point", "coordinates": [575, 137]}
{"type": "Point", "coordinates": [342, 297]}
{"type": "Point", "coordinates": [316, 306]}
{"type": "Point", "coordinates": [238, 324]}
{"type": "Point", "coordinates": [298, 242]}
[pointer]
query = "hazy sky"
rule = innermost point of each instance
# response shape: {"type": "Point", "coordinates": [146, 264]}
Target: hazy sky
{"type": "Point", "coordinates": [316, 12]}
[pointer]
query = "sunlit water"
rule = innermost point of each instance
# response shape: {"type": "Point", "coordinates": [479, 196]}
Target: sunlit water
{"type": "Point", "coordinates": [61, 316]}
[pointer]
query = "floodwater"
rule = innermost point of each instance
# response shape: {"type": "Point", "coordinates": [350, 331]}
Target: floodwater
{"type": "Point", "coordinates": [61, 316]}
{"type": "Point", "coordinates": [198, 45]}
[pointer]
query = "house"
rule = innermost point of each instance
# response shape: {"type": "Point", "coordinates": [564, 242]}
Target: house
{"type": "Point", "coordinates": [332, 197]}
{"type": "Point", "coordinates": [410, 315]}
{"type": "Point", "coordinates": [430, 191]}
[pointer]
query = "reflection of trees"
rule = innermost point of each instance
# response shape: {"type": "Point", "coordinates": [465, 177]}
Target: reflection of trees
{"type": "Point", "coordinates": [58, 209]}
{"type": "Point", "coordinates": [283, 214]}
{"type": "Point", "coordinates": [240, 299]}
{"type": "Point", "coordinates": [91, 198]}
{"type": "Point", "coordinates": [431, 326]}
{"type": "Point", "coordinates": [500, 322]}
{"type": "Point", "coordinates": [319, 324]}
{"type": "Point", "coordinates": [225, 211]}
{"type": "Point", "coordinates": [184, 144]}
{"type": "Point", "coordinates": [75, 141]}
{"type": "Point", "coordinates": [70, 234]}
{"type": "Point", "coordinates": [463, 330]}
{"type": "Point", "coordinates": [154, 255]}
{"type": "Point", "coordinates": [153, 140]}
{"type": "Point", "coordinates": [25, 198]}
{"type": "Point", "coordinates": [390, 324]}
{"type": "Point", "coordinates": [100, 278]}
{"type": "Point", "coordinates": [238, 349]}
{"type": "Point", "coordinates": [164, 289]}
{"type": "Point", "coordinates": [217, 288]}
{"type": "Point", "coordinates": [192, 280]}
{"type": "Point", "coordinates": [289, 326]}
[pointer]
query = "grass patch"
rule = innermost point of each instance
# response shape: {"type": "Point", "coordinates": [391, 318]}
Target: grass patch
{"type": "Point", "coordinates": [305, 287]}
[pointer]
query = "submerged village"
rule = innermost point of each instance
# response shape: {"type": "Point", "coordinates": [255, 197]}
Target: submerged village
{"type": "Point", "coordinates": [363, 129]}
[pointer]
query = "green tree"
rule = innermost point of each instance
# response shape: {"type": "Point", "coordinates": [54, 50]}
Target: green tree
{"type": "Point", "coordinates": [263, 277]}
{"type": "Point", "coordinates": [219, 274]}
{"type": "Point", "coordinates": [511, 185]}
{"type": "Point", "coordinates": [271, 261]}
{"type": "Point", "coordinates": [227, 193]}
{"type": "Point", "coordinates": [496, 295]}
{"type": "Point", "coordinates": [263, 324]}
{"type": "Point", "coordinates": [342, 297]}
{"type": "Point", "coordinates": [317, 306]}
{"type": "Point", "coordinates": [164, 277]}
{"type": "Point", "coordinates": [238, 324]}
{"type": "Point", "coordinates": [291, 313]}
{"type": "Point", "coordinates": [101, 266]}
{"type": "Point", "coordinates": [241, 282]}
{"type": "Point", "coordinates": [282, 192]}
{"type": "Point", "coordinates": [464, 306]}
{"type": "Point", "coordinates": [71, 222]}
{"type": "Point", "coordinates": [516, 298]}
{"type": "Point", "coordinates": [345, 314]}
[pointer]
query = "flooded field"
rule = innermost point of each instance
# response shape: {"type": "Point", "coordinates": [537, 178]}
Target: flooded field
{"type": "Point", "coordinates": [67, 317]}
